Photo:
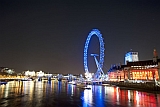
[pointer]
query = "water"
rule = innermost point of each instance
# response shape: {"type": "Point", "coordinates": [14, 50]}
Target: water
{"type": "Point", "coordinates": [61, 94]}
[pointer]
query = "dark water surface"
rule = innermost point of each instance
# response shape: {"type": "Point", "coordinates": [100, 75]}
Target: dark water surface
{"type": "Point", "coordinates": [61, 94]}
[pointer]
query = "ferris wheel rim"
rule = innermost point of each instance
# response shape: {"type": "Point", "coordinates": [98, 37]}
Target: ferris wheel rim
{"type": "Point", "coordinates": [101, 58]}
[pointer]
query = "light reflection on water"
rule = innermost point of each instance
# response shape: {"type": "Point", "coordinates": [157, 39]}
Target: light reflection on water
{"type": "Point", "coordinates": [87, 98]}
{"type": "Point", "coordinates": [61, 94]}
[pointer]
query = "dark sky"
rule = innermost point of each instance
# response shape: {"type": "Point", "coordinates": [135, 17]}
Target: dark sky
{"type": "Point", "coordinates": [49, 35]}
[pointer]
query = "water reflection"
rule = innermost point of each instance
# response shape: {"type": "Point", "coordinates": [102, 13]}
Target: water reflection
{"type": "Point", "coordinates": [61, 94]}
{"type": "Point", "coordinates": [87, 99]}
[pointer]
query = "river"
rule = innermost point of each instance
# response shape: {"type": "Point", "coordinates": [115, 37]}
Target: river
{"type": "Point", "coordinates": [62, 94]}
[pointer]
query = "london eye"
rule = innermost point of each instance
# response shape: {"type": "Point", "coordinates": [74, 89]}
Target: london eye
{"type": "Point", "coordinates": [101, 56]}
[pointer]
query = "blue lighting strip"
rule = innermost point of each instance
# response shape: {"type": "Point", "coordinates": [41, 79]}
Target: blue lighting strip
{"type": "Point", "coordinates": [99, 35]}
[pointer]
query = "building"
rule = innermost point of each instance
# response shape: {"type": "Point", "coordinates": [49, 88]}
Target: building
{"type": "Point", "coordinates": [40, 74]}
{"type": "Point", "coordinates": [29, 73]}
{"type": "Point", "coordinates": [147, 70]}
{"type": "Point", "coordinates": [116, 72]}
{"type": "Point", "coordinates": [7, 70]}
{"type": "Point", "coordinates": [131, 57]}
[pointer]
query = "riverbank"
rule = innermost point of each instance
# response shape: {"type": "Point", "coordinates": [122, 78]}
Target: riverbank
{"type": "Point", "coordinates": [147, 86]}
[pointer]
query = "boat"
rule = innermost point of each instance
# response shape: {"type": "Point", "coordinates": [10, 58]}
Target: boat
{"type": "Point", "coordinates": [26, 79]}
{"type": "Point", "coordinates": [88, 88]}
{"type": "Point", "coordinates": [1, 83]}
{"type": "Point", "coordinates": [72, 82]}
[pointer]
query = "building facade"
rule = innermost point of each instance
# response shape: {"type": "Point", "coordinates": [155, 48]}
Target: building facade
{"type": "Point", "coordinates": [131, 57]}
{"type": "Point", "coordinates": [7, 70]}
{"type": "Point", "coordinates": [147, 70]}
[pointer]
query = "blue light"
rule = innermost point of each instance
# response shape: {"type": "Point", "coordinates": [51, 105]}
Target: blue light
{"type": "Point", "coordinates": [99, 35]}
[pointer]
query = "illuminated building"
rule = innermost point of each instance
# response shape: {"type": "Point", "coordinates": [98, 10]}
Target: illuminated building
{"type": "Point", "coordinates": [29, 73]}
{"type": "Point", "coordinates": [47, 74]}
{"type": "Point", "coordinates": [131, 57]}
{"type": "Point", "coordinates": [116, 72]}
{"type": "Point", "coordinates": [7, 70]}
{"type": "Point", "coordinates": [147, 70]}
{"type": "Point", "coordinates": [40, 74]}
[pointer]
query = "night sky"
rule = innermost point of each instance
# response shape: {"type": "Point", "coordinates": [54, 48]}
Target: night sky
{"type": "Point", "coordinates": [49, 35]}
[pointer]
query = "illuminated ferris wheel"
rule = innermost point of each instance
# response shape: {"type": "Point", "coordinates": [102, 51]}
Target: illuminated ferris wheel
{"type": "Point", "coordinates": [99, 63]}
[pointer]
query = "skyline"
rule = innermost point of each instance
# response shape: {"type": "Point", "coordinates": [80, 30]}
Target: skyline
{"type": "Point", "coordinates": [50, 35]}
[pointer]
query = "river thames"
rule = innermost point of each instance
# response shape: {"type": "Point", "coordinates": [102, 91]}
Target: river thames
{"type": "Point", "coordinates": [62, 94]}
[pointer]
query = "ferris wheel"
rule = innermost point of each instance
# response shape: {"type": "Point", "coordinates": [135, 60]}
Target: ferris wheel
{"type": "Point", "coordinates": [99, 63]}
